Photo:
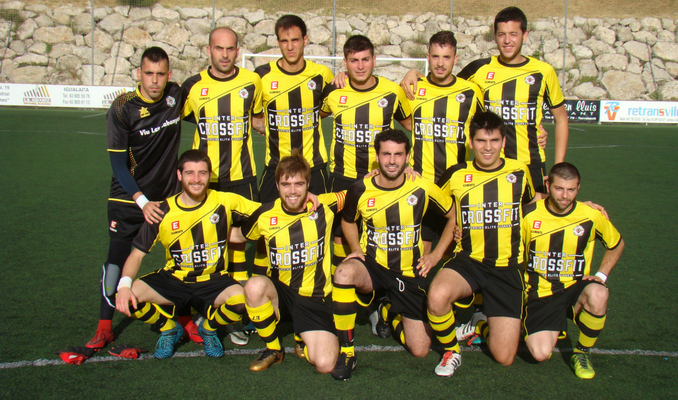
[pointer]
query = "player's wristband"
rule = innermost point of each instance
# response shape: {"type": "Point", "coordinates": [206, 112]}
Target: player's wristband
{"type": "Point", "coordinates": [602, 276]}
{"type": "Point", "coordinates": [141, 201]}
{"type": "Point", "coordinates": [125, 281]}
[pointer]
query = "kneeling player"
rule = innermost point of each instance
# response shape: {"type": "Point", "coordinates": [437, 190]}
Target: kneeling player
{"type": "Point", "coordinates": [390, 254]}
{"type": "Point", "coordinates": [194, 232]}
{"type": "Point", "coordinates": [298, 283]}
{"type": "Point", "coordinates": [559, 235]}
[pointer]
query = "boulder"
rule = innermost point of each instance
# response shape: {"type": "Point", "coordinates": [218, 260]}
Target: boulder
{"type": "Point", "coordinates": [623, 85]}
{"type": "Point", "coordinates": [588, 90]}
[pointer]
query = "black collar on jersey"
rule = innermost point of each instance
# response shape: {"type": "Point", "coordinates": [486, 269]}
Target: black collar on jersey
{"type": "Point", "coordinates": [376, 83]}
{"type": "Point", "coordinates": [555, 214]}
{"type": "Point", "coordinates": [374, 182]}
{"type": "Point", "coordinates": [183, 208]}
{"type": "Point", "coordinates": [454, 80]}
{"type": "Point", "coordinates": [237, 70]}
{"type": "Point", "coordinates": [476, 166]}
{"type": "Point", "coordinates": [503, 64]}
{"type": "Point", "coordinates": [288, 72]}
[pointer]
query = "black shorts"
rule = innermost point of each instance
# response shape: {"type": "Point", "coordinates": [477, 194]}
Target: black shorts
{"type": "Point", "coordinates": [124, 220]}
{"type": "Point", "coordinates": [247, 190]}
{"type": "Point", "coordinates": [337, 185]}
{"type": "Point", "coordinates": [306, 313]}
{"type": "Point", "coordinates": [502, 288]}
{"type": "Point", "coordinates": [199, 295]}
{"type": "Point", "coordinates": [268, 191]}
{"type": "Point", "coordinates": [537, 173]}
{"type": "Point", "coordinates": [407, 295]}
{"type": "Point", "coordinates": [551, 313]}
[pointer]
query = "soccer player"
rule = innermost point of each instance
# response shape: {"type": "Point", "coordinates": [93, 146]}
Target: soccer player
{"type": "Point", "coordinates": [194, 231]}
{"type": "Point", "coordinates": [293, 88]}
{"type": "Point", "coordinates": [144, 133]}
{"type": "Point", "coordinates": [559, 234]}
{"type": "Point", "coordinates": [222, 100]}
{"type": "Point", "coordinates": [361, 109]}
{"type": "Point", "coordinates": [298, 283]}
{"type": "Point", "coordinates": [515, 87]}
{"type": "Point", "coordinates": [389, 255]}
{"type": "Point", "coordinates": [488, 194]}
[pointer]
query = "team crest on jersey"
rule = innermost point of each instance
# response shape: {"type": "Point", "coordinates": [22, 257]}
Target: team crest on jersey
{"type": "Point", "coordinates": [468, 178]}
{"type": "Point", "coordinates": [578, 230]}
{"type": "Point", "coordinates": [382, 103]}
{"type": "Point", "coordinates": [422, 92]}
{"type": "Point", "coordinates": [412, 200]}
{"type": "Point", "coordinates": [313, 216]}
{"type": "Point", "coordinates": [274, 221]}
{"type": "Point", "coordinates": [143, 112]}
{"type": "Point", "coordinates": [214, 218]}
{"type": "Point", "coordinates": [274, 85]}
{"type": "Point", "coordinates": [171, 101]}
{"type": "Point", "coordinates": [461, 97]}
{"type": "Point", "coordinates": [536, 225]}
{"type": "Point", "coordinates": [510, 178]}
{"type": "Point", "coordinates": [312, 85]}
{"type": "Point", "coordinates": [529, 80]}
{"type": "Point", "coordinates": [243, 93]}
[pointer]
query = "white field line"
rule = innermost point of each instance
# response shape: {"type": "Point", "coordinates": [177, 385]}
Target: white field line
{"type": "Point", "coordinates": [371, 348]}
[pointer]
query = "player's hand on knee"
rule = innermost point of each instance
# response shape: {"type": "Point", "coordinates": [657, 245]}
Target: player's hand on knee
{"type": "Point", "coordinates": [123, 299]}
{"type": "Point", "coordinates": [152, 212]}
{"type": "Point", "coordinates": [542, 137]}
{"type": "Point", "coordinates": [340, 80]}
{"type": "Point", "coordinates": [426, 263]}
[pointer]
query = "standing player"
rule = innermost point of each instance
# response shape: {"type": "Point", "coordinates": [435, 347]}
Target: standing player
{"type": "Point", "coordinates": [515, 87]}
{"type": "Point", "coordinates": [361, 110]}
{"type": "Point", "coordinates": [489, 194]}
{"type": "Point", "coordinates": [559, 235]}
{"type": "Point", "coordinates": [222, 100]}
{"type": "Point", "coordinates": [194, 231]}
{"type": "Point", "coordinates": [298, 283]}
{"type": "Point", "coordinates": [144, 133]}
{"type": "Point", "coordinates": [293, 88]}
{"type": "Point", "coordinates": [389, 255]}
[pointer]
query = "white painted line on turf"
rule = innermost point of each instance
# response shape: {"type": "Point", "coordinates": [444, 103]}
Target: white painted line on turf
{"type": "Point", "coordinates": [92, 133]}
{"type": "Point", "coordinates": [104, 113]}
{"type": "Point", "coordinates": [364, 349]}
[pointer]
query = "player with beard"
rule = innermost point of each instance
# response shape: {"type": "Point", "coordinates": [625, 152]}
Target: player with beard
{"type": "Point", "coordinates": [559, 234]}
{"type": "Point", "coordinates": [390, 254]}
{"type": "Point", "coordinates": [194, 231]}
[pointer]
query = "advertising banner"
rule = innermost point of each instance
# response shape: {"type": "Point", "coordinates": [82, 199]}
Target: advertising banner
{"type": "Point", "coordinates": [577, 111]}
{"type": "Point", "coordinates": [74, 96]}
{"type": "Point", "coordinates": [652, 112]}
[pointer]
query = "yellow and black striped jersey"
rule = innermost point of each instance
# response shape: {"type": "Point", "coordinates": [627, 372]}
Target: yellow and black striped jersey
{"type": "Point", "coordinates": [489, 208]}
{"type": "Point", "coordinates": [298, 245]}
{"type": "Point", "coordinates": [195, 237]}
{"type": "Point", "coordinates": [150, 133]}
{"type": "Point", "coordinates": [559, 248]}
{"type": "Point", "coordinates": [440, 122]}
{"type": "Point", "coordinates": [359, 115]}
{"type": "Point", "coordinates": [391, 220]}
{"type": "Point", "coordinates": [517, 92]}
{"type": "Point", "coordinates": [222, 110]}
{"type": "Point", "coordinates": [292, 104]}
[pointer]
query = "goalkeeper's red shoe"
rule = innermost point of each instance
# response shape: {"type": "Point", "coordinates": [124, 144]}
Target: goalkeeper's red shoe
{"type": "Point", "coordinates": [100, 340]}
{"type": "Point", "coordinates": [191, 333]}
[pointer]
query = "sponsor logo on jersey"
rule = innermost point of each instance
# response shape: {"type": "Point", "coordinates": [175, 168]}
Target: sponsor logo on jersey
{"type": "Point", "coordinates": [175, 225]}
{"type": "Point", "coordinates": [412, 200]}
{"type": "Point", "coordinates": [214, 218]}
{"type": "Point", "coordinates": [204, 91]}
{"type": "Point", "coordinates": [510, 178]}
{"type": "Point", "coordinates": [274, 221]}
{"type": "Point", "coordinates": [536, 225]}
{"type": "Point", "coordinates": [468, 178]}
{"type": "Point", "coordinates": [114, 226]}
{"type": "Point", "coordinates": [371, 202]}
{"type": "Point", "coordinates": [143, 112]}
{"type": "Point", "coordinates": [529, 80]}
{"type": "Point", "coordinates": [578, 230]}
{"type": "Point", "coordinates": [243, 93]}
{"type": "Point", "coordinates": [274, 85]}
{"type": "Point", "coordinates": [171, 101]}
{"type": "Point", "coordinates": [382, 103]}
{"type": "Point", "coordinates": [490, 76]}
{"type": "Point", "coordinates": [461, 97]}
{"type": "Point", "coordinates": [422, 92]}
{"type": "Point", "coordinates": [313, 216]}
{"type": "Point", "coordinates": [312, 85]}
{"type": "Point", "coordinates": [342, 99]}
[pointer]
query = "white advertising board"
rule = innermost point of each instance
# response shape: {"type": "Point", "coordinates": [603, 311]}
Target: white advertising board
{"type": "Point", "coordinates": [653, 112]}
{"type": "Point", "coordinates": [74, 96]}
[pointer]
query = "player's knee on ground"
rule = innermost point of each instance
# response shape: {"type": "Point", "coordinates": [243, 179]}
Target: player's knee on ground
{"type": "Point", "coordinates": [540, 350]}
{"type": "Point", "coordinates": [504, 356]}
{"type": "Point", "coordinates": [419, 349]}
{"type": "Point", "coordinates": [323, 362]}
